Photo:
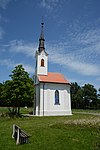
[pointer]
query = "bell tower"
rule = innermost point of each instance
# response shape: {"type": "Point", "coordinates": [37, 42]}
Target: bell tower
{"type": "Point", "coordinates": [41, 56]}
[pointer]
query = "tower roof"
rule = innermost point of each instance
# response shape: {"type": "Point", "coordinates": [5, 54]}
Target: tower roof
{"type": "Point", "coordinates": [41, 39]}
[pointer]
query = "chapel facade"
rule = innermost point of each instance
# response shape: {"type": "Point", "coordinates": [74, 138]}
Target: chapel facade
{"type": "Point", "coordinates": [52, 90]}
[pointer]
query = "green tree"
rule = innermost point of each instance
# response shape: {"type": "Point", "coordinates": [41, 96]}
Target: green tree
{"type": "Point", "coordinates": [1, 90]}
{"type": "Point", "coordinates": [6, 93]}
{"type": "Point", "coordinates": [90, 95]}
{"type": "Point", "coordinates": [98, 99]}
{"type": "Point", "coordinates": [99, 94]}
{"type": "Point", "coordinates": [19, 91]}
{"type": "Point", "coordinates": [76, 96]}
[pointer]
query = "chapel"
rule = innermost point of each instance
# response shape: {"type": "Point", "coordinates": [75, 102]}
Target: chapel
{"type": "Point", "coordinates": [52, 90]}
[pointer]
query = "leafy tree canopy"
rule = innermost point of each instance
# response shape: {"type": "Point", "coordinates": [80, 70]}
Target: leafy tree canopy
{"type": "Point", "coordinates": [19, 91]}
{"type": "Point", "coordinates": [84, 97]}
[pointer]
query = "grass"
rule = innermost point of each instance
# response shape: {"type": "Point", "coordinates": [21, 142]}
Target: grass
{"type": "Point", "coordinates": [3, 109]}
{"type": "Point", "coordinates": [30, 110]}
{"type": "Point", "coordinates": [23, 110]}
{"type": "Point", "coordinates": [86, 110]}
{"type": "Point", "coordinates": [76, 132]}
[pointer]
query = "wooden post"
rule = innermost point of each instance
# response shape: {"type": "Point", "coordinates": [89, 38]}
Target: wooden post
{"type": "Point", "coordinates": [13, 131]}
{"type": "Point", "coordinates": [18, 136]}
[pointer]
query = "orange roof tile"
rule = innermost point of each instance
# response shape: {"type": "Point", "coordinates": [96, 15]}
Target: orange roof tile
{"type": "Point", "coordinates": [53, 78]}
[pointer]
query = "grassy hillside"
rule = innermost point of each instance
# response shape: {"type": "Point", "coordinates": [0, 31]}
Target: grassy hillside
{"type": "Point", "coordinates": [76, 132]}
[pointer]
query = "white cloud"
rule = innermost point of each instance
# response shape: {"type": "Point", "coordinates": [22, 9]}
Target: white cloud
{"type": "Point", "coordinates": [81, 82]}
{"type": "Point", "coordinates": [68, 61]}
{"type": "Point", "coordinates": [1, 29]}
{"type": "Point", "coordinates": [79, 51]}
{"type": "Point", "coordinates": [0, 17]}
{"type": "Point", "coordinates": [98, 79]}
{"type": "Point", "coordinates": [14, 46]}
{"type": "Point", "coordinates": [28, 68]}
{"type": "Point", "coordinates": [9, 63]}
{"type": "Point", "coordinates": [1, 33]}
{"type": "Point", "coordinates": [79, 60]}
{"type": "Point", "coordinates": [6, 62]}
{"type": "Point", "coordinates": [4, 3]}
{"type": "Point", "coordinates": [22, 47]}
{"type": "Point", "coordinates": [90, 37]}
{"type": "Point", "coordinates": [49, 4]}
{"type": "Point", "coordinates": [84, 68]}
{"type": "Point", "coordinates": [85, 37]}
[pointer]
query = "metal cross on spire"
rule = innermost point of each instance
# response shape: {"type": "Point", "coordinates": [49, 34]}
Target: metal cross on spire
{"type": "Point", "coordinates": [42, 33]}
{"type": "Point", "coordinates": [41, 40]}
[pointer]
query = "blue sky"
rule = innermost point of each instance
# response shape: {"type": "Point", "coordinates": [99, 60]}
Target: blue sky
{"type": "Point", "coordinates": [72, 37]}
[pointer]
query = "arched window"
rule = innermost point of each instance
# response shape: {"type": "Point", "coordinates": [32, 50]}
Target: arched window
{"type": "Point", "coordinates": [42, 62]}
{"type": "Point", "coordinates": [56, 97]}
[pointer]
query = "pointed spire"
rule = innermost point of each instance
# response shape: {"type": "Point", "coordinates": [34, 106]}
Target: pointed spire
{"type": "Point", "coordinates": [42, 34]}
{"type": "Point", "coordinates": [41, 40]}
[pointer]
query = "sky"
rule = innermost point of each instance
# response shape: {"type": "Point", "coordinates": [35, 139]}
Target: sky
{"type": "Point", "coordinates": [71, 31]}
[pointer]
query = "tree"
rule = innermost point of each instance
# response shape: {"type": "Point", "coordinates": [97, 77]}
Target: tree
{"type": "Point", "coordinates": [76, 96]}
{"type": "Point", "coordinates": [99, 94]}
{"type": "Point", "coordinates": [90, 95]}
{"type": "Point", "coordinates": [98, 99]}
{"type": "Point", "coordinates": [84, 97]}
{"type": "Point", "coordinates": [1, 90]}
{"type": "Point", "coordinates": [6, 93]}
{"type": "Point", "coordinates": [19, 91]}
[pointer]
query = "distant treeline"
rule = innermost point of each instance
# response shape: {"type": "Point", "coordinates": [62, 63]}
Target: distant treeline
{"type": "Point", "coordinates": [86, 97]}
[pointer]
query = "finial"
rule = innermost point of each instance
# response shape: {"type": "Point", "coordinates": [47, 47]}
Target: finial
{"type": "Point", "coordinates": [42, 23]}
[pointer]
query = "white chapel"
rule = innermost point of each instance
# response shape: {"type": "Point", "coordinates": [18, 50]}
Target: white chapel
{"type": "Point", "coordinates": [52, 90]}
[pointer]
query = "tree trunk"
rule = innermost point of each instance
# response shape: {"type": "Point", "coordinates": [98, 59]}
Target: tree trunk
{"type": "Point", "coordinates": [18, 110]}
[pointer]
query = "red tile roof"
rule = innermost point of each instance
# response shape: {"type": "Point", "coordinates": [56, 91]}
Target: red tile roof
{"type": "Point", "coordinates": [53, 78]}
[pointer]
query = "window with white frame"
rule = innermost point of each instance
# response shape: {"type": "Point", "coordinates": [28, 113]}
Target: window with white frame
{"type": "Point", "coordinates": [56, 97]}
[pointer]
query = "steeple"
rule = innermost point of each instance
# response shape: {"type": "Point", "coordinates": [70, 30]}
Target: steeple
{"type": "Point", "coordinates": [41, 56]}
{"type": "Point", "coordinates": [41, 39]}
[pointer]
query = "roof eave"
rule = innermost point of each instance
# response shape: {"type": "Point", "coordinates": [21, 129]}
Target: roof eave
{"type": "Point", "coordinates": [54, 82]}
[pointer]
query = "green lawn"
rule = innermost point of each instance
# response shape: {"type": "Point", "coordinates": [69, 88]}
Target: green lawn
{"type": "Point", "coordinates": [22, 110]}
{"type": "Point", "coordinates": [86, 110]}
{"type": "Point", "coordinates": [76, 132]}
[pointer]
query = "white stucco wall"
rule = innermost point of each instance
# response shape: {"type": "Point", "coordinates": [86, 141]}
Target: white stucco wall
{"type": "Point", "coordinates": [40, 69]}
{"type": "Point", "coordinates": [37, 100]}
{"type": "Point", "coordinates": [47, 100]}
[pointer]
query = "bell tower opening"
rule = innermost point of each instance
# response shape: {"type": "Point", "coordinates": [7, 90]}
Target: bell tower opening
{"type": "Point", "coordinates": [42, 62]}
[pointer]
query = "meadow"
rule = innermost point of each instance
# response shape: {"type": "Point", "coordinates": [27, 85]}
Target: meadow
{"type": "Point", "coordinates": [76, 132]}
